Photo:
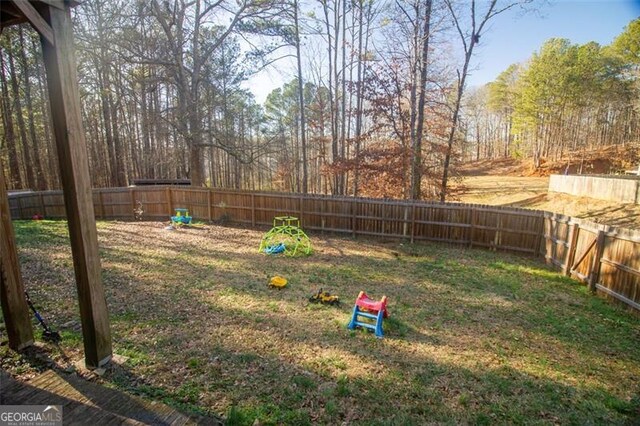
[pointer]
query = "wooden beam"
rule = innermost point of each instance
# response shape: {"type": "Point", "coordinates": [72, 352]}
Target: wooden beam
{"type": "Point", "coordinates": [15, 311]}
{"type": "Point", "coordinates": [573, 243]}
{"type": "Point", "coordinates": [11, 10]}
{"type": "Point", "coordinates": [59, 4]}
{"type": "Point", "coordinates": [583, 255]}
{"type": "Point", "coordinates": [10, 15]}
{"type": "Point", "coordinates": [4, 23]}
{"type": "Point", "coordinates": [60, 64]}
{"type": "Point", "coordinates": [35, 19]}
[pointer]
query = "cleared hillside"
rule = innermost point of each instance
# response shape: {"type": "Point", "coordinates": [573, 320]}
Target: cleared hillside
{"type": "Point", "coordinates": [516, 183]}
{"type": "Point", "coordinates": [610, 159]}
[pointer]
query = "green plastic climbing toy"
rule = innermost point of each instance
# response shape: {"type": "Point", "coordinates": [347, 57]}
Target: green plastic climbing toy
{"type": "Point", "coordinates": [286, 237]}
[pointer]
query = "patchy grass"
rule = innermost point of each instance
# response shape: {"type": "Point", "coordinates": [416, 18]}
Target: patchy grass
{"type": "Point", "coordinates": [474, 336]}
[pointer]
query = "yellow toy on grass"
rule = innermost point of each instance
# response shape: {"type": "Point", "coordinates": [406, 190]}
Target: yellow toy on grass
{"type": "Point", "coordinates": [278, 282]}
{"type": "Point", "coordinates": [286, 237]}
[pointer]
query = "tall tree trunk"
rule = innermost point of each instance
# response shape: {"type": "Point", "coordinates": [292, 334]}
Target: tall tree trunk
{"type": "Point", "coordinates": [468, 44]}
{"type": "Point", "coordinates": [413, 99]}
{"type": "Point", "coordinates": [454, 122]}
{"type": "Point", "coordinates": [37, 164]}
{"type": "Point", "coordinates": [147, 162]}
{"type": "Point", "coordinates": [15, 180]}
{"type": "Point", "coordinates": [416, 183]}
{"type": "Point", "coordinates": [106, 122]}
{"type": "Point", "coordinates": [356, 176]}
{"type": "Point", "coordinates": [120, 152]}
{"type": "Point", "coordinates": [26, 152]}
{"type": "Point", "coordinates": [51, 153]}
{"type": "Point", "coordinates": [303, 131]}
{"type": "Point", "coordinates": [336, 110]}
{"type": "Point", "coordinates": [343, 108]}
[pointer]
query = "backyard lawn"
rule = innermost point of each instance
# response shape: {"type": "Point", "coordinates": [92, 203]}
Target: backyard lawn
{"type": "Point", "coordinates": [473, 336]}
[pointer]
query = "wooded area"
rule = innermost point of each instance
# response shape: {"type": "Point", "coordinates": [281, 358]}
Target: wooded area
{"type": "Point", "coordinates": [385, 108]}
{"type": "Point", "coordinates": [566, 97]}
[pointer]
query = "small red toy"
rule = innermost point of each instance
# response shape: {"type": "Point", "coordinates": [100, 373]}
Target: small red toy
{"type": "Point", "coordinates": [37, 217]}
{"type": "Point", "coordinates": [366, 307]}
{"type": "Point", "coordinates": [373, 306]}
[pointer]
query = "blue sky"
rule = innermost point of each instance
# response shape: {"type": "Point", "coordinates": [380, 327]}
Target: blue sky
{"type": "Point", "coordinates": [512, 38]}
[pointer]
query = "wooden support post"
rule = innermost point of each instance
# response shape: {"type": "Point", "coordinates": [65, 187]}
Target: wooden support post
{"type": "Point", "coordinates": [17, 318]}
{"type": "Point", "coordinates": [594, 276]}
{"type": "Point", "coordinates": [209, 200]}
{"type": "Point", "coordinates": [60, 64]}
{"type": "Point", "coordinates": [573, 242]}
{"type": "Point", "coordinates": [35, 19]}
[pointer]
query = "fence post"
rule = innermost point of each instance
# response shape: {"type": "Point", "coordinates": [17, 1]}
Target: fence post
{"type": "Point", "coordinates": [547, 239]}
{"type": "Point", "coordinates": [323, 210]}
{"type": "Point", "coordinates": [573, 242]}
{"type": "Point", "coordinates": [553, 229]}
{"type": "Point", "coordinates": [101, 201]}
{"type": "Point", "coordinates": [133, 203]}
{"type": "Point", "coordinates": [597, 261]}
{"type": "Point", "coordinates": [413, 222]}
{"type": "Point", "coordinates": [209, 204]}
{"type": "Point", "coordinates": [383, 225]}
{"type": "Point", "coordinates": [405, 221]}
{"type": "Point", "coordinates": [43, 211]}
{"type": "Point", "coordinates": [497, 238]}
{"type": "Point", "coordinates": [538, 243]}
{"type": "Point", "coordinates": [20, 214]}
{"type": "Point", "coordinates": [253, 209]}
{"type": "Point", "coordinates": [472, 228]}
{"type": "Point", "coordinates": [169, 202]}
{"type": "Point", "coordinates": [301, 202]}
{"type": "Point", "coordinates": [213, 203]}
{"type": "Point", "coordinates": [353, 217]}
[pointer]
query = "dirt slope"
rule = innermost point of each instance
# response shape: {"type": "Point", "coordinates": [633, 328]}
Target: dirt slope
{"type": "Point", "coordinates": [605, 160]}
{"type": "Point", "coordinates": [515, 182]}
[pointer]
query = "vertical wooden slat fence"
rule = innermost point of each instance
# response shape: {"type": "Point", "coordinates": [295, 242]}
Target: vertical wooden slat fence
{"type": "Point", "coordinates": [607, 259]}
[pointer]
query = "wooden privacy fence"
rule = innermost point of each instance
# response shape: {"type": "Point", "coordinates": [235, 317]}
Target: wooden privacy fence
{"type": "Point", "coordinates": [606, 258]}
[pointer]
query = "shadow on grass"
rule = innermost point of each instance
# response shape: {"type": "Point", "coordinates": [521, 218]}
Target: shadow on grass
{"type": "Point", "coordinates": [203, 332]}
